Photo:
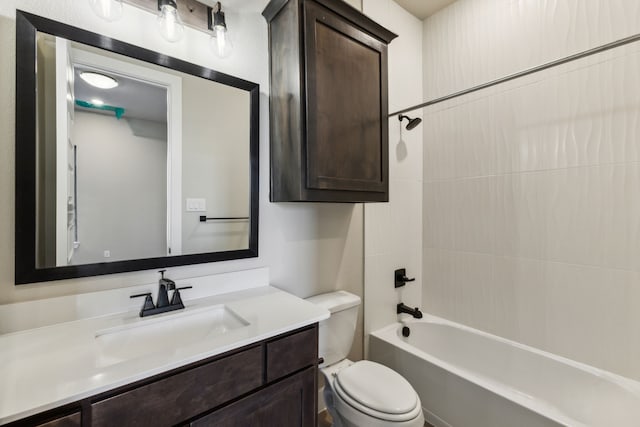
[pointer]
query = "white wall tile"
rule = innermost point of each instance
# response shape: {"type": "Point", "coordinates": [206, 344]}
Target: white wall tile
{"type": "Point", "coordinates": [405, 149]}
{"type": "Point", "coordinates": [474, 215]}
{"type": "Point", "coordinates": [527, 287]}
{"type": "Point", "coordinates": [380, 297]}
{"type": "Point", "coordinates": [437, 274]}
{"type": "Point", "coordinates": [531, 198]}
{"type": "Point", "coordinates": [406, 217]}
{"type": "Point", "coordinates": [393, 231]}
{"type": "Point", "coordinates": [437, 214]}
{"type": "Point", "coordinates": [475, 41]}
{"type": "Point", "coordinates": [377, 229]}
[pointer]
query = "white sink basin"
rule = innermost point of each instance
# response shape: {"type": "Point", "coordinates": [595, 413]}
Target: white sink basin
{"type": "Point", "coordinates": [165, 333]}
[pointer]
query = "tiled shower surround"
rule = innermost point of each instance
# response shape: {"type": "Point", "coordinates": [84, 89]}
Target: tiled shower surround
{"type": "Point", "coordinates": [531, 192]}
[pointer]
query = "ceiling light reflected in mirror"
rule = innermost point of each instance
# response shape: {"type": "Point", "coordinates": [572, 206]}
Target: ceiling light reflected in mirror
{"type": "Point", "coordinates": [99, 80]}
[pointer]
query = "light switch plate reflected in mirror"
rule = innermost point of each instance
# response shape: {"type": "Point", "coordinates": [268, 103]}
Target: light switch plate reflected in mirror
{"type": "Point", "coordinates": [196, 205]}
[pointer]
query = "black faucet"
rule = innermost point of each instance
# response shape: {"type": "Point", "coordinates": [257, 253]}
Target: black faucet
{"type": "Point", "coordinates": [162, 305]}
{"type": "Point", "coordinates": [164, 285]}
{"type": "Point", "coordinates": [415, 312]}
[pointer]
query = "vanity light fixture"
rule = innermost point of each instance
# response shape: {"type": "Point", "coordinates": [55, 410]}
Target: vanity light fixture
{"type": "Point", "coordinates": [109, 10]}
{"type": "Point", "coordinates": [99, 80]}
{"type": "Point", "coordinates": [220, 41]}
{"type": "Point", "coordinates": [171, 19]}
{"type": "Point", "coordinates": [169, 22]}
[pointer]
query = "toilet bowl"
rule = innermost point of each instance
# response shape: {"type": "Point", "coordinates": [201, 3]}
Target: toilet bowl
{"type": "Point", "coordinates": [369, 394]}
{"type": "Point", "coordinates": [363, 393]}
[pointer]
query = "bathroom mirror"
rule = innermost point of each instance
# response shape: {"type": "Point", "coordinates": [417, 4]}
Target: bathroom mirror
{"type": "Point", "coordinates": [127, 159]}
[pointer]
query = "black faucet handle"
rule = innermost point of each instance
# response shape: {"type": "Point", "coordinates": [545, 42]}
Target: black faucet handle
{"type": "Point", "coordinates": [176, 299]}
{"type": "Point", "coordinates": [400, 277]}
{"type": "Point", "coordinates": [148, 301]}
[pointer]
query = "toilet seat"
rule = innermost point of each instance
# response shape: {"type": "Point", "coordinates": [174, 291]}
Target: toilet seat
{"type": "Point", "coordinates": [377, 391]}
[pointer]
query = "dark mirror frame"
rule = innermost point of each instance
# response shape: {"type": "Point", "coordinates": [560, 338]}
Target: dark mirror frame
{"type": "Point", "coordinates": [25, 191]}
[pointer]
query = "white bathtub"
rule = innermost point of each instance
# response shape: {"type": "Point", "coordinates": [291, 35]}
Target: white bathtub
{"type": "Point", "coordinates": [468, 378]}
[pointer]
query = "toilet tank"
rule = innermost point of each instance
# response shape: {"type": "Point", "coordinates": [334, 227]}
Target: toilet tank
{"type": "Point", "coordinates": [336, 333]}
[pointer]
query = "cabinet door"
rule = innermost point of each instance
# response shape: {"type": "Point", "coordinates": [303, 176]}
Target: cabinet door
{"type": "Point", "coordinates": [288, 403]}
{"type": "Point", "coordinates": [347, 125]}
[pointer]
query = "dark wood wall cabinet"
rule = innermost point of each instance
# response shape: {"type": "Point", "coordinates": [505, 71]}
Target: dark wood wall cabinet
{"type": "Point", "coordinates": [329, 103]}
{"type": "Point", "coordinates": [270, 383]}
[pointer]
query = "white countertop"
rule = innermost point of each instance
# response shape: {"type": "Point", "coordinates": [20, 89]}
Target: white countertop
{"type": "Point", "coordinates": [50, 366]}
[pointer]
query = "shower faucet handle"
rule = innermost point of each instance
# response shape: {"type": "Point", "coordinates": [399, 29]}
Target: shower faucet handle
{"type": "Point", "coordinates": [400, 278]}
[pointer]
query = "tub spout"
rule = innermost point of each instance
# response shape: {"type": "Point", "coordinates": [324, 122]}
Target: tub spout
{"type": "Point", "coordinates": [415, 312]}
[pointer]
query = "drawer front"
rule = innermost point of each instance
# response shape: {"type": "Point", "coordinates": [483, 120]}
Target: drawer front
{"type": "Point", "coordinates": [291, 353]}
{"type": "Point", "coordinates": [51, 418]}
{"type": "Point", "coordinates": [72, 420]}
{"type": "Point", "coordinates": [182, 396]}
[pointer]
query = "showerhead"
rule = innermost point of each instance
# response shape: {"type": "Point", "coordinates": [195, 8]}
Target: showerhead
{"type": "Point", "coordinates": [412, 122]}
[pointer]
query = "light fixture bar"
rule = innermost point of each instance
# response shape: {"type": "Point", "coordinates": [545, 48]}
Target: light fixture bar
{"type": "Point", "coordinates": [193, 13]}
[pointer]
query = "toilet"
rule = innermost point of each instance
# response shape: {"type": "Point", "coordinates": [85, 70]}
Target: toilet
{"type": "Point", "coordinates": [364, 393]}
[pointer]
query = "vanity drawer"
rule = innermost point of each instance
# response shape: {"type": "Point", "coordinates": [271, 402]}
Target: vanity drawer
{"type": "Point", "coordinates": [185, 395]}
{"type": "Point", "coordinates": [72, 420]}
{"type": "Point", "coordinates": [291, 353]}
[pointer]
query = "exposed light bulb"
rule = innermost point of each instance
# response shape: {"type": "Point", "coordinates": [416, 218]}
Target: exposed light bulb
{"type": "Point", "coordinates": [220, 40]}
{"type": "Point", "coordinates": [169, 22]}
{"type": "Point", "coordinates": [109, 10]}
{"type": "Point", "coordinates": [221, 43]}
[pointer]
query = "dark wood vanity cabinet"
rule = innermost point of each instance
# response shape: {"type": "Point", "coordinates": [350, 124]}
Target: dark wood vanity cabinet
{"type": "Point", "coordinates": [328, 103]}
{"type": "Point", "coordinates": [71, 420]}
{"type": "Point", "coordinates": [289, 403]}
{"type": "Point", "coordinates": [270, 383]}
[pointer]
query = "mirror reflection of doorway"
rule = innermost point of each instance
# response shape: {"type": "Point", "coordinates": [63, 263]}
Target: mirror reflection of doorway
{"type": "Point", "coordinates": [126, 180]}
{"type": "Point", "coordinates": [115, 127]}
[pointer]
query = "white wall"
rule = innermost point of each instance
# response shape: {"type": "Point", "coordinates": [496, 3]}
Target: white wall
{"type": "Point", "coordinates": [355, 3]}
{"type": "Point", "coordinates": [215, 165]}
{"type": "Point", "coordinates": [393, 231]}
{"type": "Point", "coordinates": [122, 190]}
{"type": "Point", "coordinates": [309, 248]}
{"type": "Point", "coordinates": [532, 189]}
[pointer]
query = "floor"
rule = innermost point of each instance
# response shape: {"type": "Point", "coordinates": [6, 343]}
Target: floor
{"type": "Point", "coordinates": [324, 420]}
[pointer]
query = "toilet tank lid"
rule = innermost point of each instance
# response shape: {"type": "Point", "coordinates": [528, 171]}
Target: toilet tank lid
{"type": "Point", "coordinates": [335, 301]}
